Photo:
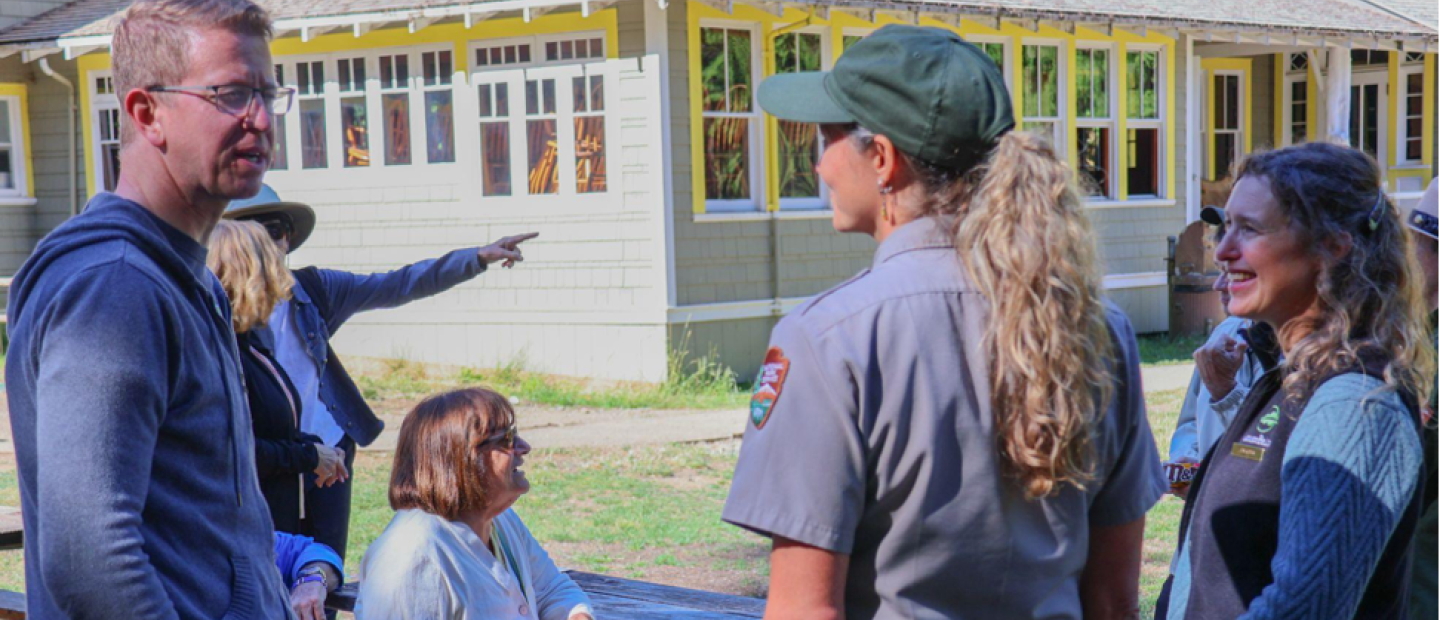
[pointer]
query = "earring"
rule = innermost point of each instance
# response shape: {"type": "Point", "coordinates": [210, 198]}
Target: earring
{"type": "Point", "coordinates": [884, 199]}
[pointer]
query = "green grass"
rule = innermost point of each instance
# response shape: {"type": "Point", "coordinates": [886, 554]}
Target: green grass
{"type": "Point", "coordinates": [1165, 350]}
{"type": "Point", "coordinates": [652, 510]}
{"type": "Point", "coordinates": [698, 383]}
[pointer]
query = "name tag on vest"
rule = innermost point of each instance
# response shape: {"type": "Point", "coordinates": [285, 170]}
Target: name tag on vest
{"type": "Point", "coordinates": [1247, 452]}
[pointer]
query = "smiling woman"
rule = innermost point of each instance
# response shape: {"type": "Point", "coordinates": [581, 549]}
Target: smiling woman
{"type": "Point", "coordinates": [1318, 473]}
{"type": "Point", "coordinates": [454, 548]}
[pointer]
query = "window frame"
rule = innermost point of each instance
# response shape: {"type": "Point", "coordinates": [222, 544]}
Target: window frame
{"type": "Point", "coordinates": [514, 75]}
{"type": "Point", "coordinates": [1403, 94]}
{"type": "Point", "coordinates": [18, 164]}
{"type": "Point", "coordinates": [1109, 121]}
{"type": "Point", "coordinates": [1215, 130]}
{"type": "Point", "coordinates": [1159, 124]}
{"type": "Point", "coordinates": [1288, 121]}
{"type": "Point", "coordinates": [101, 103]}
{"type": "Point", "coordinates": [1062, 81]}
{"type": "Point", "coordinates": [827, 62]}
{"type": "Point", "coordinates": [756, 150]}
{"type": "Point", "coordinates": [1008, 45]}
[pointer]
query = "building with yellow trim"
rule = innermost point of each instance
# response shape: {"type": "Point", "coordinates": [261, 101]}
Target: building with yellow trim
{"type": "Point", "coordinates": [673, 213]}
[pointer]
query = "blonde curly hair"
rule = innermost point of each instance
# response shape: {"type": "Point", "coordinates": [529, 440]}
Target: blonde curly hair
{"type": "Point", "coordinates": [252, 270]}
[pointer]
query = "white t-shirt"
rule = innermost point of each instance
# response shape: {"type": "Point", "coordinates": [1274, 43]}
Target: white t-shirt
{"type": "Point", "coordinates": [315, 417]}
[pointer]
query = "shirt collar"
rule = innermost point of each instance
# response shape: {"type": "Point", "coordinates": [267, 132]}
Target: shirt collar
{"type": "Point", "coordinates": [922, 234]}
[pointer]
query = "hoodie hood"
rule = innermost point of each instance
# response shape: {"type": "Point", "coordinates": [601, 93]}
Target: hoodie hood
{"type": "Point", "coordinates": [108, 217]}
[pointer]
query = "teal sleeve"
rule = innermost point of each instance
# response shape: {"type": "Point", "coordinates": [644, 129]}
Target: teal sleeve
{"type": "Point", "coordinates": [1350, 469]}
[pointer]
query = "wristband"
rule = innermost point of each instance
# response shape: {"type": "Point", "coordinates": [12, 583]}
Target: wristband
{"type": "Point", "coordinates": [311, 576]}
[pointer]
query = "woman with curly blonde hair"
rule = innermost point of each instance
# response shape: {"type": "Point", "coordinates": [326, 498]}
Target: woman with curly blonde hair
{"type": "Point", "coordinates": [958, 431]}
{"type": "Point", "coordinates": [253, 273]}
{"type": "Point", "coordinates": [1307, 505]}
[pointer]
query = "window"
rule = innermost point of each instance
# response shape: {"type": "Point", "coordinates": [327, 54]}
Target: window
{"type": "Point", "coordinates": [354, 125]}
{"type": "Point", "coordinates": [1360, 58]}
{"type": "Point", "coordinates": [439, 106]}
{"type": "Point", "coordinates": [552, 116]}
{"type": "Point", "coordinates": [541, 136]}
{"type": "Point", "coordinates": [494, 139]}
{"type": "Point", "coordinates": [106, 130]}
{"type": "Point", "coordinates": [501, 55]}
{"type": "Point", "coordinates": [395, 108]}
{"type": "Point", "coordinates": [12, 157]}
{"type": "Point", "coordinates": [728, 113]}
{"type": "Point", "coordinates": [850, 39]}
{"type": "Point", "coordinates": [1094, 120]}
{"type": "Point", "coordinates": [996, 52]}
{"type": "Point", "coordinates": [1228, 123]}
{"type": "Point", "coordinates": [310, 90]}
{"type": "Point", "coordinates": [1144, 117]}
{"type": "Point", "coordinates": [1413, 57]}
{"type": "Point", "coordinates": [589, 95]}
{"type": "Point", "coordinates": [1299, 100]}
{"type": "Point", "coordinates": [1412, 113]}
{"type": "Point", "coordinates": [1366, 118]}
{"type": "Point", "coordinates": [280, 160]}
{"type": "Point", "coordinates": [1040, 91]}
{"type": "Point", "coordinates": [799, 143]}
{"type": "Point", "coordinates": [1299, 61]}
{"type": "Point", "coordinates": [574, 49]}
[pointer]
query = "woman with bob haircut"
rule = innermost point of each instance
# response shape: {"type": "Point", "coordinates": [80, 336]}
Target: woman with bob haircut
{"type": "Point", "coordinates": [958, 431]}
{"type": "Point", "coordinates": [1307, 506]}
{"type": "Point", "coordinates": [255, 278]}
{"type": "Point", "coordinates": [454, 548]}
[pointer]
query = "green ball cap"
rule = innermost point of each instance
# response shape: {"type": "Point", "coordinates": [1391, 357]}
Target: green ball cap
{"type": "Point", "coordinates": [937, 97]}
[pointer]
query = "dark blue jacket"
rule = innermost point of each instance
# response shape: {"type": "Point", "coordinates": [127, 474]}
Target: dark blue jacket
{"type": "Point", "coordinates": [320, 312]}
{"type": "Point", "coordinates": [132, 433]}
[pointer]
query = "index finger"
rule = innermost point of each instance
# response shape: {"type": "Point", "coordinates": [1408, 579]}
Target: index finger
{"type": "Point", "coordinates": [520, 238]}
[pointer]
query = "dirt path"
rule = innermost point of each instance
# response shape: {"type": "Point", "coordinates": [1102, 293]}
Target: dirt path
{"type": "Point", "coordinates": [573, 427]}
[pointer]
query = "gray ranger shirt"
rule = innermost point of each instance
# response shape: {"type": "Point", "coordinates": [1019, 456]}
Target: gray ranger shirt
{"type": "Point", "coordinates": [871, 435]}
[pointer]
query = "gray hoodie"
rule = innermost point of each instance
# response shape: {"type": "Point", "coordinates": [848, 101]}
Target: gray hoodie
{"type": "Point", "coordinates": [132, 432]}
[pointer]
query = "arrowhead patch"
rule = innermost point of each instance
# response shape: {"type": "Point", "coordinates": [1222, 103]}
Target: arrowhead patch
{"type": "Point", "coordinates": [768, 385]}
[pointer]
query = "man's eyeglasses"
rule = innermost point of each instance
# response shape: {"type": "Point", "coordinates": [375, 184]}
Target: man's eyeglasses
{"type": "Point", "coordinates": [236, 99]}
{"type": "Point", "coordinates": [504, 440]}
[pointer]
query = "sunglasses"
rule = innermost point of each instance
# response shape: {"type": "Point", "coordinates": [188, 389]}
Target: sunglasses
{"type": "Point", "coordinates": [505, 440]}
{"type": "Point", "coordinates": [278, 227]}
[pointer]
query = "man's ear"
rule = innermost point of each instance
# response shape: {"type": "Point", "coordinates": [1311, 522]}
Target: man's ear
{"type": "Point", "coordinates": [144, 115]}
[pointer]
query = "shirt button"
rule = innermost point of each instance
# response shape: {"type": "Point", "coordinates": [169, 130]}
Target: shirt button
{"type": "Point", "coordinates": [524, 609]}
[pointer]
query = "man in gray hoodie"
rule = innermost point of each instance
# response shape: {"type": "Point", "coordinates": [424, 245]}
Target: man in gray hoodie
{"type": "Point", "coordinates": [131, 428]}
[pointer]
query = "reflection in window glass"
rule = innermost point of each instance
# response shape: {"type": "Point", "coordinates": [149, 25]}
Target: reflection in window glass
{"type": "Point", "coordinates": [1144, 174]}
{"type": "Point", "coordinates": [542, 150]}
{"type": "Point", "coordinates": [799, 143]}
{"type": "Point", "coordinates": [1042, 78]}
{"type": "Point", "coordinates": [1092, 77]}
{"type": "Point", "coordinates": [396, 108]}
{"type": "Point", "coordinates": [1142, 94]}
{"type": "Point", "coordinates": [312, 133]}
{"type": "Point", "coordinates": [996, 52]}
{"type": "Point", "coordinates": [110, 147]}
{"type": "Point", "coordinates": [1093, 147]}
{"type": "Point", "coordinates": [727, 169]}
{"type": "Point", "coordinates": [439, 130]}
{"type": "Point", "coordinates": [495, 158]}
{"type": "Point", "coordinates": [589, 154]}
{"type": "Point", "coordinates": [354, 126]}
{"type": "Point", "coordinates": [848, 40]}
{"type": "Point", "coordinates": [7, 148]}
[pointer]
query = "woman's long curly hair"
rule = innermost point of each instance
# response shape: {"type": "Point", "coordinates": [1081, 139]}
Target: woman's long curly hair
{"type": "Point", "coordinates": [1019, 225]}
{"type": "Point", "coordinates": [251, 269]}
{"type": "Point", "coordinates": [1371, 296]}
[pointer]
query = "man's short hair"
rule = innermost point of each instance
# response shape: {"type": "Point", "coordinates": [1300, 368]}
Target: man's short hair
{"type": "Point", "coordinates": [151, 45]}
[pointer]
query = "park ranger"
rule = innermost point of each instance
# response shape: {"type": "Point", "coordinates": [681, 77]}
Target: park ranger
{"type": "Point", "coordinates": [947, 434]}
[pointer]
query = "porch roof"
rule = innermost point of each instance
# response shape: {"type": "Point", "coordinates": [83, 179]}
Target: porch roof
{"type": "Point", "coordinates": [89, 23]}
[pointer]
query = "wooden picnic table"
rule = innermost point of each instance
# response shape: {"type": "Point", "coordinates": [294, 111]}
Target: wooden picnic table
{"type": "Point", "coordinates": [628, 599]}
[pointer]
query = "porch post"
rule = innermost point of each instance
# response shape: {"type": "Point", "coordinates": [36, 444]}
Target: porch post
{"type": "Point", "coordinates": [1337, 96]}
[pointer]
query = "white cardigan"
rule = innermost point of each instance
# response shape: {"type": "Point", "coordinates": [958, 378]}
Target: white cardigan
{"type": "Point", "coordinates": [423, 566]}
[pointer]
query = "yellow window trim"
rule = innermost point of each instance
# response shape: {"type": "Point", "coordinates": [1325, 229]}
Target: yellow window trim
{"type": "Point", "coordinates": [21, 91]}
{"type": "Point", "coordinates": [345, 40]}
{"type": "Point", "coordinates": [1242, 66]}
{"type": "Point", "coordinates": [1012, 35]}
